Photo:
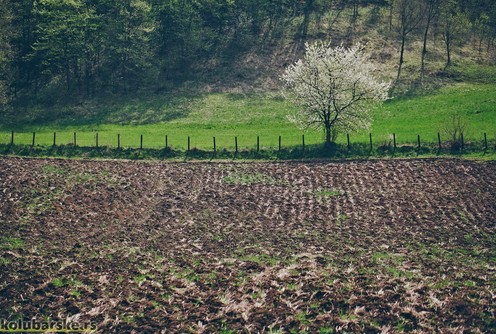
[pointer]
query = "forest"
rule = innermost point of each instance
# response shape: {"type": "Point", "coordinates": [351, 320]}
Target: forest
{"type": "Point", "coordinates": [80, 49]}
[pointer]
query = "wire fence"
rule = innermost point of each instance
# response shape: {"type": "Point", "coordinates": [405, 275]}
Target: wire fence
{"type": "Point", "coordinates": [30, 140]}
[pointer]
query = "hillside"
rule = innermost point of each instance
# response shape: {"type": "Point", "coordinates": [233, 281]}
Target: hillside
{"type": "Point", "coordinates": [63, 52]}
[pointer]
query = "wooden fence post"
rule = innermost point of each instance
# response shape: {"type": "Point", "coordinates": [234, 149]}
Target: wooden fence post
{"type": "Point", "coordinates": [280, 142]}
{"type": "Point", "coordinates": [370, 135]}
{"type": "Point", "coordinates": [348, 141]}
{"type": "Point", "coordinates": [418, 142]}
{"type": "Point", "coordinates": [141, 142]}
{"type": "Point", "coordinates": [485, 141]}
{"type": "Point", "coordinates": [303, 141]}
{"type": "Point", "coordinates": [215, 146]}
{"type": "Point", "coordinates": [258, 144]}
{"type": "Point", "coordinates": [189, 144]}
{"type": "Point", "coordinates": [12, 138]}
{"type": "Point", "coordinates": [96, 139]}
{"type": "Point", "coordinates": [34, 138]}
{"type": "Point", "coordinates": [394, 141]}
{"type": "Point", "coordinates": [236, 144]}
{"type": "Point", "coordinates": [439, 139]}
{"type": "Point", "coordinates": [118, 140]}
{"type": "Point", "coordinates": [463, 142]}
{"type": "Point", "coordinates": [75, 141]}
{"type": "Point", "coordinates": [54, 138]}
{"type": "Point", "coordinates": [166, 142]}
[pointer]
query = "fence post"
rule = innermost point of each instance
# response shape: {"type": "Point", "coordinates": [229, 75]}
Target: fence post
{"type": "Point", "coordinates": [418, 142]}
{"type": "Point", "coordinates": [485, 141]}
{"type": "Point", "coordinates": [34, 138]}
{"type": "Point", "coordinates": [463, 142]}
{"type": "Point", "coordinates": [370, 135]}
{"type": "Point", "coordinates": [236, 144]}
{"type": "Point", "coordinates": [12, 138]}
{"type": "Point", "coordinates": [258, 144]}
{"type": "Point", "coordinates": [96, 140]}
{"type": "Point", "coordinates": [54, 138]}
{"type": "Point", "coordinates": [303, 141]}
{"type": "Point", "coordinates": [439, 139]}
{"type": "Point", "coordinates": [189, 144]}
{"type": "Point", "coordinates": [215, 146]}
{"type": "Point", "coordinates": [394, 141]}
{"type": "Point", "coordinates": [118, 140]}
{"type": "Point", "coordinates": [279, 143]}
{"type": "Point", "coordinates": [75, 141]}
{"type": "Point", "coordinates": [166, 142]}
{"type": "Point", "coordinates": [348, 141]}
{"type": "Point", "coordinates": [141, 142]}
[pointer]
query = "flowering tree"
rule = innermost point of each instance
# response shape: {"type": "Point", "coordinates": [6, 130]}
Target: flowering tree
{"type": "Point", "coordinates": [335, 89]}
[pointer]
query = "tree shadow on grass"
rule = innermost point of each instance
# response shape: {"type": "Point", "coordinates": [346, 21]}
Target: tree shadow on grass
{"type": "Point", "coordinates": [91, 113]}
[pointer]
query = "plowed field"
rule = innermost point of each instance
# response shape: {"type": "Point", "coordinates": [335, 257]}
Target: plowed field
{"type": "Point", "coordinates": [348, 247]}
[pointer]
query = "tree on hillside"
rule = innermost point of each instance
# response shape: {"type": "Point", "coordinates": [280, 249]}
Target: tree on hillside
{"type": "Point", "coordinates": [483, 30]}
{"type": "Point", "coordinates": [482, 14]}
{"type": "Point", "coordinates": [22, 30]}
{"type": "Point", "coordinates": [335, 89]}
{"type": "Point", "coordinates": [454, 24]}
{"type": "Point", "coordinates": [432, 10]}
{"type": "Point", "coordinates": [178, 37]}
{"type": "Point", "coordinates": [409, 15]}
{"type": "Point", "coordinates": [62, 40]}
{"type": "Point", "coordinates": [128, 27]}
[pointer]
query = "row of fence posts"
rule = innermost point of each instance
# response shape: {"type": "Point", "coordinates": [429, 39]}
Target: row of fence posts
{"type": "Point", "coordinates": [462, 143]}
{"type": "Point", "coordinates": [236, 147]}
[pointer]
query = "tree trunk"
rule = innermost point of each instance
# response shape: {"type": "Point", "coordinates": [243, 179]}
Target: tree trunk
{"type": "Point", "coordinates": [390, 18]}
{"type": "Point", "coordinates": [354, 18]}
{"type": "Point", "coordinates": [448, 49]}
{"type": "Point", "coordinates": [432, 11]}
{"type": "Point", "coordinates": [307, 11]}
{"type": "Point", "coordinates": [68, 75]}
{"type": "Point", "coordinates": [402, 52]}
{"type": "Point", "coordinates": [327, 125]}
{"type": "Point", "coordinates": [490, 42]}
{"type": "Point", "coordinates": [87, 74]}
{"type": "Point", "coordinates": [424, 51]}
{"type": "Point", "coordinates": [304, 26]}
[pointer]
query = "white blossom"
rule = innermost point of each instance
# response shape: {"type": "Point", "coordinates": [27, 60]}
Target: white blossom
{"type": "Point", "coordinates": [334, 88]}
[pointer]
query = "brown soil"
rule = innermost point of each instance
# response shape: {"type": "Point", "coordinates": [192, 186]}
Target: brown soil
{"type": "Point", "coordinates": [150, 247]}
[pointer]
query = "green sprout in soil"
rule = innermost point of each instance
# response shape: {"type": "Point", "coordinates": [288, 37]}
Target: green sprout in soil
{"type": "Point", "coordinates": [9, 243]}
{"type": "Point", "coordinates": [327, 193]}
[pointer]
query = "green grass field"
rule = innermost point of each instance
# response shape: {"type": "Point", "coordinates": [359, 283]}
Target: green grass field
{"type": "Point", "coordinates": [246, 116]}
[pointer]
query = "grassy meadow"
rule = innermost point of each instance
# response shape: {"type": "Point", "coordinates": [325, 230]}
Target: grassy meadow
{"type": "Point", "coordinates": [226, 115]}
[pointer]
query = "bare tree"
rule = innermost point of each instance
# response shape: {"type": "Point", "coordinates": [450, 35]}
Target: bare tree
{"type": "Point", "coordinates": [431, 12]}
{"type": "Point", "coordinates": [456, 129]}
{"type": "Point", "coordinates": [409, 15]}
